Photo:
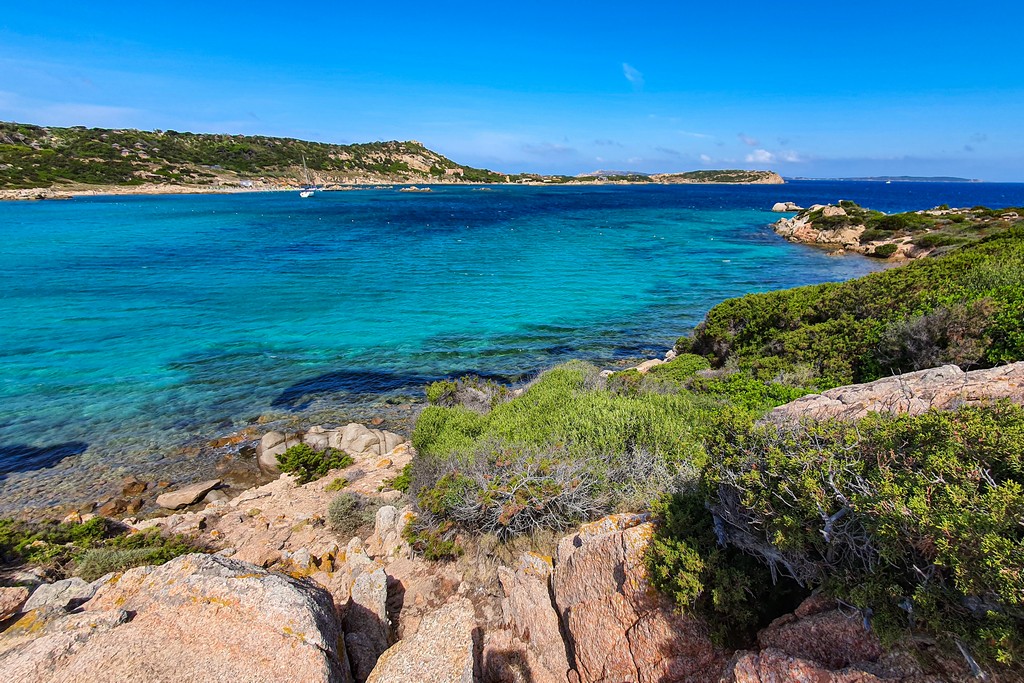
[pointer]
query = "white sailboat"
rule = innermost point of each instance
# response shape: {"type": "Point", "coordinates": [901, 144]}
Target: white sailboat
{"type": "Point", "coordinates": [310, 188]}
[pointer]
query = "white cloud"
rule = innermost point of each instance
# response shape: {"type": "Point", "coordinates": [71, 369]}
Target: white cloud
{"type": "Point", "coordinates": [705, 158]}
{"type": "Point", "coordinates": [700, 136]}
{"type": "Point", "coordinates": [747, 140]}
{"type": "Point", "coordinates": [633, 76]}
{"type": "Point", "coordinates": [760, 156]}
{"type": "Point", "coordinates": [791, 156]}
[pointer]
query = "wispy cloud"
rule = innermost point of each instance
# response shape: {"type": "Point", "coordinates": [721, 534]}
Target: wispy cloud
{"type": "Point", "coordinates": [760, 156]}
{"type": "Point", "coordinates": [548, 149]}
{"type": "Point", "coordinates": [705, 159]}
{"type": "Point", "coordinates": [747, 140]}
{"type": "Point", "coordinates": [670, 152]}
{"type": "Point", "coordinates": [699, 136]}
{"type": "Point", "coordinates": [791, 156]}
{"type": "Point", "coordinates": [605, 142]}
{"type": "Point", "coordinates": [633, 76]}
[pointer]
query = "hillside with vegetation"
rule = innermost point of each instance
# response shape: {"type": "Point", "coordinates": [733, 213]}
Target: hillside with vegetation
{"type": "Point", "coordinates": [911, 521]}
{"type": "Point", "coordinates": [41, 157]}
{"type": "Point", "coordinates": [847, 226]}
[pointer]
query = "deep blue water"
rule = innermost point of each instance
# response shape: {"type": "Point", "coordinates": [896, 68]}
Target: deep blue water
{"type": "Point", "coordinates": [131, 325]}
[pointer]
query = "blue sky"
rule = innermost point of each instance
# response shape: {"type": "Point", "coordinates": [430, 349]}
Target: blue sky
{"type": "Point", "coordinates": [805, 88]}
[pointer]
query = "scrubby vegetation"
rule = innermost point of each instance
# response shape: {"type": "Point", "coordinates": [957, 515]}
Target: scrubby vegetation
{"type": "Point", "coordinates": [938, 229]}
{"type": "Point", "coordinates": [89, 550]}
{"type": "Point", "coordinates": [915, 521]}
{"type": "Point", "coordinates": [307, 463]}
{"type": "Point", "coordinates": [875, 326]}
{"type": "Point", "coordinates": [34, 156]}
{"type": "Point", "coordinates": [564, 451]}
{"type": "Point", "coordinates": [351, 513]}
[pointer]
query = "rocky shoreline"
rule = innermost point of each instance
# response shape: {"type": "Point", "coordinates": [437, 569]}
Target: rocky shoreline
{"type": "Point", "coordinates": [365, 607]}
{"type": "Point", "coordinates": [61, 193]}
{"type": "Point", "coordinates": [846, 227]}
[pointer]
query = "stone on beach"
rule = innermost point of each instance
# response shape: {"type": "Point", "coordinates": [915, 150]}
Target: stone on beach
{"type": "Point", "coordinates": [179, 498]}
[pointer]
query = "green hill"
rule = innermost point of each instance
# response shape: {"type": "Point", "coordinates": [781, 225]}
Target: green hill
{"type": "Point", "coordinates": [35, 156]}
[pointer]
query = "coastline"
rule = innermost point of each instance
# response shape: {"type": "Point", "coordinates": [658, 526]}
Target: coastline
{"type": "Point", "coordinates": [207, 454]}
{"type": "Point", "coordinates": [71, 192]}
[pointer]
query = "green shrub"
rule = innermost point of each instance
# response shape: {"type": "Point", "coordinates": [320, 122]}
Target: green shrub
{"type": "Point", "coordinates": [307, 463]}
{"type": "Point", "coordinates": [440, 392]}
{"type": "Point", "coordinates": [915, 520]}
{"type": "Point", "coordinates": [873, 235]}
{"type": "Point", "coordinates": [884, 250]}
{"type": "Point", "coordinates": [678, 370]}
{"type": "Point", "coordinates": [734, 592]}
{"type": "Point", "coordinates": [626, 382]}
{"type": "Point", "coordinates": [833, 330]}
{"type": "Point", "coordinates": [350, 513]}
{"type": "Point", "coordinates": [402, 481]}
{"type": "Point", "coordinates": [432, 542]}
{"type": "Point", "coordinates": [938, 239]}
{"type": "Point", "coordinates": [88, 550]}
{"type": "Point", "coordinates": [336, 485]}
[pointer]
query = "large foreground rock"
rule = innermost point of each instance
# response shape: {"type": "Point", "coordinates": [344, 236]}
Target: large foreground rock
{"type": "Point", "coordinates": [621, 628]}
{"type": "Point", "coordinates": [197, 618]}
{"type": "Point", "coordinates": [941, 388]}
{"type": "Point", "coordinates": [529, 611]}
{"type": "Point", "coordinates": [441, 651]}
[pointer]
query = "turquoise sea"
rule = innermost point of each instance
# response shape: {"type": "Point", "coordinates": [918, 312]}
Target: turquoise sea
{"type": "Point", "coordinates": [132, 326]}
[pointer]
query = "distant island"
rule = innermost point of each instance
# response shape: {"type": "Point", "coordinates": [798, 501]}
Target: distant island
{"type": "Point", "coordinates": [903, 179]}
{"type": "Point", "coordinates": [39, 162]}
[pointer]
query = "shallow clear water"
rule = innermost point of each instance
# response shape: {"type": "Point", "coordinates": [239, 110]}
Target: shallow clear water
{"type": "Point", "coordinates": [134, 324]}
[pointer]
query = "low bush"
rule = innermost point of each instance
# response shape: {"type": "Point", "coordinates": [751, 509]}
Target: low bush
{"type": "Point", "coordinates": [336, 484]}
{"type": "Point", "coordinates": [833, 330]}
{"type": "Point", "coordinates": [873, 235]}
{"type": "Point", "coordinates": [678, 371]}
{"type": "Point", "coordinates": [402, 480]}
{"type": "Point", "coordinates": [933, 240]}
{"type": "Point", "coordinates": [350, 513]}
{"type": "Point", "coordinates": [914, 520]}
{"type": "Point", "coordinates": [88, 550]}
{"type": "Point", "coordinates": [307, 463]}
{"type": "Point", "coordinates": [884, 250]}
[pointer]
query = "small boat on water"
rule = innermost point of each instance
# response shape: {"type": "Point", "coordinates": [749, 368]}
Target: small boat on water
{"type": "Point", "coordinates": [310, 188]}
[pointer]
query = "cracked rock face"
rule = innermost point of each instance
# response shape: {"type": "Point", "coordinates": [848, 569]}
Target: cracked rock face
{"type": "Point", "coordinates": [944, 388]}
{"type": "Point", "coordinates": [621, 628]}
{"type": "Point", "coordinates": [196, 618]}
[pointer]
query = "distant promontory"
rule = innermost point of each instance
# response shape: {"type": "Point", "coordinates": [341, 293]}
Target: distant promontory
{"type": "Point", "coordinates": [38, 162]}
